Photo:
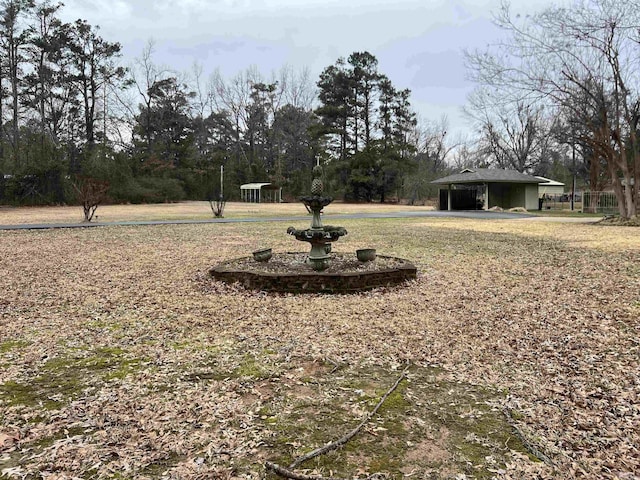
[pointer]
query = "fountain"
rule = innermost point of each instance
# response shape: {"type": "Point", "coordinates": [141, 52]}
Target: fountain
{"type": "Point", "coordinates": [322, 269]}
{"type": "Point", "coordinates": [320, 237]}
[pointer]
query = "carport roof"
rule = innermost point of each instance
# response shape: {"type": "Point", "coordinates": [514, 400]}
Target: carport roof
{"type": "Point", "coordinates": [256, 186]}
{"type": "Point", "coordinates": [487, 175]}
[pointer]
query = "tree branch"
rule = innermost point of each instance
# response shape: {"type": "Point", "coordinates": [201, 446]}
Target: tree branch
{"type": "Point", "coordinates": [352, 433]}
{"type": "Point", "coordinates": [529, 445]}
{"type": "Point", "coordinates": [286, 473]}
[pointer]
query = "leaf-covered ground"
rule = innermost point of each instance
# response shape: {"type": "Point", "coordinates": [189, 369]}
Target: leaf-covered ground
{"type": "Point", "coordinates": [121, 358]}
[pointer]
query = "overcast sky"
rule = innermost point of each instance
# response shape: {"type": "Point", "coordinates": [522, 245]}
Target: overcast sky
{"type": "Point", "coordinates": [418, 43]}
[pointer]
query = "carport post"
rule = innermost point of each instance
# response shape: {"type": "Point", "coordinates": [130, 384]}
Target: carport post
{"type": "Point", "coordinates": [486, 196]}
{"type": "Point", "coordinates": [449, 206]}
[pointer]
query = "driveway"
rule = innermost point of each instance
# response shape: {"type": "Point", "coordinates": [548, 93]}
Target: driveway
{"type": "Point", "coordinates": [477, 214]}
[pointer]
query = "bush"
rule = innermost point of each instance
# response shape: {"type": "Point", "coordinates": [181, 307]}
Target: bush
{"type": "Point", "coordinates": [38, 188]}
{"type": "Point", "coordinates": [158, 190]}
{"type": "Point", "coordinates": [90, 193]}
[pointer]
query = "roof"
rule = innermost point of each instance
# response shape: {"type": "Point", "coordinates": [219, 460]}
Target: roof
{"type": "Point", "coordinates": [254, 186]}
{"type": "Point", "coordinates": [487, 175]}
{"type": "Point", "coordinates": [547, 182]}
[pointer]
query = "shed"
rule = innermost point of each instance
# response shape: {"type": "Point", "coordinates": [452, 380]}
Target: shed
{"type": "Point", "coordinates": [484, 188]}
{"type": "Point", "coordinates": [549, 187]}
{"type": "Point", "coordinates": [260, 193]}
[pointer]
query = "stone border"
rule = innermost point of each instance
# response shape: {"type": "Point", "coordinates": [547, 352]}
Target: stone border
{"type": "Point", "coordinates": [316, 282]}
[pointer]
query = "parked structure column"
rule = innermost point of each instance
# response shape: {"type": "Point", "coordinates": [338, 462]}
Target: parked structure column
{"type": "Point", "coordinates": [486, 196]}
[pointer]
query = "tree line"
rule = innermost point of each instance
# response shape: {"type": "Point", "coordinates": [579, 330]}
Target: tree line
{"type": "Point", "coordinates": [559, 97]}
{"type": "Point", "coordinates": [72, 114]}
{"type": "Point", "coordinates": [53, 79]}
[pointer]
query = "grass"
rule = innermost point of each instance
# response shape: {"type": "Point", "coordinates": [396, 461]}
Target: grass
{"type": "Point", "coordinates": [458, 419]}
{"type": "Point", "coordinates": [62, 379]}
{"type": "Point", "coordinates": [118, 336]}
{"type": "Point", "coordinates": [11, 345]}
{"type": "Point", "coordinates": [566, 213]}
{"type": "Point", "coordinates": [194, 210]}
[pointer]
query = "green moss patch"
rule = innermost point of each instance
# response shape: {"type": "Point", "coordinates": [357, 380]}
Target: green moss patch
{"type": "Point", "coordinates": [232, 365]}
{"type": "Point", "coordinates": [11, 345]}
{"type": "Point", "coordinates": [61, 379]}
{"type": "Point", "coordinates": [427, 425]}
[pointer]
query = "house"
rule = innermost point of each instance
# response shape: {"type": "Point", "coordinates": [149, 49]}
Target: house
{"type": "Point", "coordinates": [484, 188]}
{"type": "Point", "coordinates": [549, 187]}
{"type": "Point", "coordinates": [260, 193]}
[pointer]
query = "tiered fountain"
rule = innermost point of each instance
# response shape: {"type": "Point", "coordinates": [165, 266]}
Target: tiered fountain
{"type": "Point", "coordinates": [321, 270]}
{"type": "Point", "coordinates": [320, 237]}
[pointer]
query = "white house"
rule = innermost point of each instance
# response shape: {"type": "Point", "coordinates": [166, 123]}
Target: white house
{"type": "Point", "coordinates": [549, 187]}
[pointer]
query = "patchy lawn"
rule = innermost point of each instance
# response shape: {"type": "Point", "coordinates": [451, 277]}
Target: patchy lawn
{"type": "Point", "coordinates": [120, 357]}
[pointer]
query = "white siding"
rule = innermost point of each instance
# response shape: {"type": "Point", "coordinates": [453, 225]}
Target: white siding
{"type": "Point", "coordinates": [531, 200]}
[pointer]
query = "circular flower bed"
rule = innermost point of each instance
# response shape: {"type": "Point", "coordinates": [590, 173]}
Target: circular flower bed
{"type": "Point", "coordinates": [288, 272]}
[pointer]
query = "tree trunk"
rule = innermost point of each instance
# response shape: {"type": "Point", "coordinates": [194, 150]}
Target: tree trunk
{"type": "Point", "coordinates": [620, 195]}
{"type": "Point", "coordinates": [355, 120]}
{"type": "Point", "coordinates": [1, 117]}
{"type": "Point", "coordinates": [13, 79]}
{"type": "Point", "coordinates": [633, 137]}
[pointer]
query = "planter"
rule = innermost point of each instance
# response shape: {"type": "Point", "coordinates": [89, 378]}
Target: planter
{"type": "Point", "coordinates": [366, 254]}
{"type": "Point", "coordinates": [262, 255]}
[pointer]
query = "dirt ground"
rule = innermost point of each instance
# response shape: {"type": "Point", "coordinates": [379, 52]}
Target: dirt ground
{"type": "Point", "coordinates": [121, 358]}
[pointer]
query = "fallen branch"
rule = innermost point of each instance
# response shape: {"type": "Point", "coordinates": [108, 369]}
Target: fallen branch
{"type": "Point", "coordinates": [286, 473]}
{"type": "Point", "coordinates": [529, 445]}
{"type": "Point", "coordinates": [335, 364]}
{"type": "Point", "coordinates": [341, 441]}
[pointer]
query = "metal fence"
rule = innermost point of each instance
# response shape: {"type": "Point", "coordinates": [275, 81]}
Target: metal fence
{"type": "Point", "coordinates": [561, 201]}
{"type": "Point", "coordinates": [599, 202]}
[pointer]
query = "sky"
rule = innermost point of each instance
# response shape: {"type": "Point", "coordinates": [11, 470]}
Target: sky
{"type": "Point", "coordinates": [419, 43]}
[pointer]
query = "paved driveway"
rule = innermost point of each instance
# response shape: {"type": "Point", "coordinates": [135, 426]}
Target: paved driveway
{"type": "Point", "coordinates": [479, 214]}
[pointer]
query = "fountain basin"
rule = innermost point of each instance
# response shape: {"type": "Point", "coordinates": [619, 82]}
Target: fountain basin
{"type": "Point", "coordinates": [328, 233]}
{"type": "Point", "coordinates": [317, 202]}
{"type": "Point", "coordinates": [288, 272]}
{"type": "Point", "coordinates": [320, 239]}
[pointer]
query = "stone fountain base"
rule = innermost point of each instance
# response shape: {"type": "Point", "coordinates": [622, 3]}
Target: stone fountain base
{"type": "Point", "coordinates": [287, 272]}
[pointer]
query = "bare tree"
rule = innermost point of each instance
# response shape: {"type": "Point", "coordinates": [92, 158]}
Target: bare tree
{"type": "Point", "coordinates": [217, 206]}
{"type": "Point", "coordinates": [298, 88]}
{"type": "Point", "coordinates": [433, 147]}
{"type": "Point", "coordinates": [590, 49]}
{"type": "Point", "coordinates": [434, 143]}
{"type": "Point", "coordinates": [144, 74]}
{"type": "Point", "coordinates": [232, 97]}
{"type": "Point", "coordinates": [514, 136]}
{"type": "Point", "coordinates": [202, 98]}
{"type": "Point", "coordinates": [469, 155]}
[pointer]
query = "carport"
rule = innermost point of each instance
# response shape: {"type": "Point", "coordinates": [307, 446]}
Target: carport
{"type": "Point", "coordinates": [485, 188]}
{"type": "Point", "coordinates": [260, 193]}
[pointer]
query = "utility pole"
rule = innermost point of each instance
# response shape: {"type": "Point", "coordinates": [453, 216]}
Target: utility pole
{"type": "Point", "coordinates": [221, 181]}
{"type": "Point", "coordinates": [104, 114]}
{"type": "Point", "coordinates": [573, 184]}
